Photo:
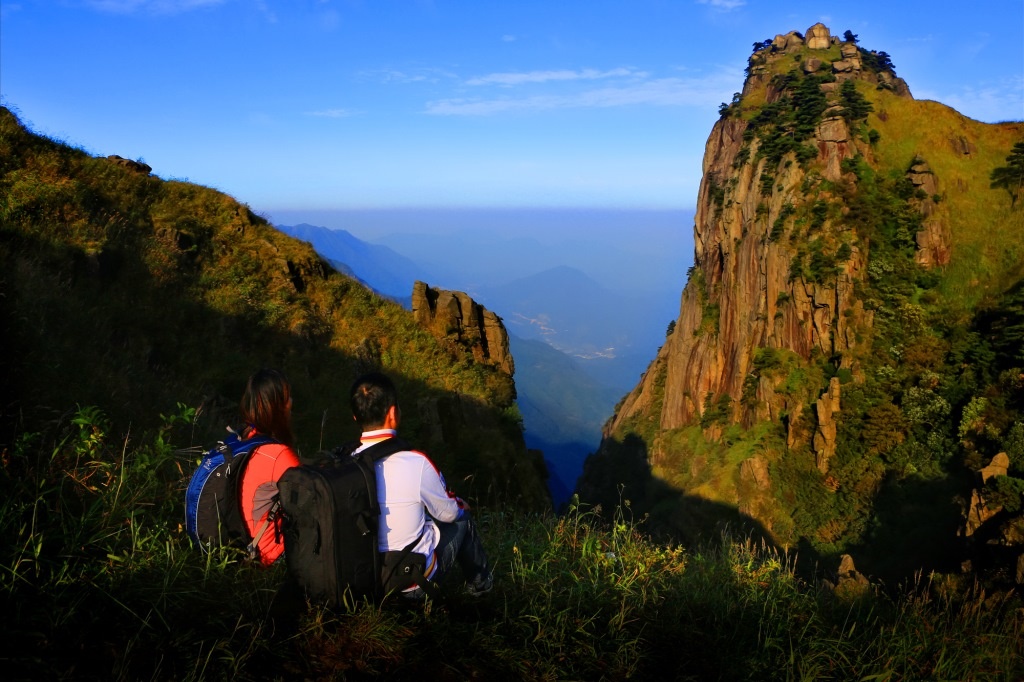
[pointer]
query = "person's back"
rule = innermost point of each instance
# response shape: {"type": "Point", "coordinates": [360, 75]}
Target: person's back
{"type": "Point", "coordinates": [417, 509]}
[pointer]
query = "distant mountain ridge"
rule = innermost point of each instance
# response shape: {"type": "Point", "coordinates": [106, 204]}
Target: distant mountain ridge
{"type": "Point", "coordinates": [380, 267]}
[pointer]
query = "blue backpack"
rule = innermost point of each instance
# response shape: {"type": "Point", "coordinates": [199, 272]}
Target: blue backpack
{"type": "Point", "coordinates": [213, 508]}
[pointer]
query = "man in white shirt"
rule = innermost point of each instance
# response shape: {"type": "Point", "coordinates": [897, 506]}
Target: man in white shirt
{"type": "Point", "coordinates": [417, 509]}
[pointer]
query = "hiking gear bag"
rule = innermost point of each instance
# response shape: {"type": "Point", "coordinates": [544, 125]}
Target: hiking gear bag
{"type": "Point", "coordinates": [330, 520]}
{"type": "Point", "coordinates": [213, 508]}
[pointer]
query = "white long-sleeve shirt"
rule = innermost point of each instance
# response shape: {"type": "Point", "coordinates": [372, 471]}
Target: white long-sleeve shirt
{"type": "Point", "coordinates": [412, 493]}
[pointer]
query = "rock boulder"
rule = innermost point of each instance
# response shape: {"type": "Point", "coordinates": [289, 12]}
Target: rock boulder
{"type": "Point", "coordinates": [454, 316]}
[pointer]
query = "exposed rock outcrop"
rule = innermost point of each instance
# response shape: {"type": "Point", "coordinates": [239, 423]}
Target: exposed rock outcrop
{"type": "Point", "coordinates": [825, 436]}
{"type": "Point", "coordinates": [136, 166]}
{"type": "Point", "coordinates": [998, 466]}
{"type": "Point", "coordinates": [818, 37]}
{"type": "Point", "coordinates": [455, 316]}
{"type": "Point", "coordinates": [933, 239]}
{"type": "Point", "coordinates": [804, 173]}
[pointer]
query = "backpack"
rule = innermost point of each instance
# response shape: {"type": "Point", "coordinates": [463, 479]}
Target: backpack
{"type": "Point", "coordinates": [330, 518]}
{"type": "Point", "coordinates": [213, 508]}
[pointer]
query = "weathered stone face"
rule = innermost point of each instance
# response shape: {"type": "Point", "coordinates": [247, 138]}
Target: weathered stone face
{"type": "Point", "coordinates": [825, 437]}
{"type": "Point", "coordinates": [818, 37]}
{"type": "Point", "coordinates": [933, 240]}
{"type": "Point", "coordinates": [999, 466]}
{"type": "Point", "coordinates": [743, 278]}
{"type": "Point", "coordinates": [454, 316]}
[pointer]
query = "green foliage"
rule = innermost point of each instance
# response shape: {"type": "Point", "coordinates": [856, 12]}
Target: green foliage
{"type": "Point", "coordinates": [716, 411]}
{"type": "Point", "coordinates": [742, 156]}
{"type": "Point", "coordinates": [710, 317]}
{"type": "Point", "coordinates": [1008, 493]}
{"type": "Point", "coordinates": [766, 359]}
{"type": "Point", "coordinates": [823, 265]}
{"type": "Point", "coordinates": [716, 192]}
{"type": "Point", "coordinates": [785, 124]}
{"type": "Point", "coordinates": [855, 106]}
{"type": "Point", "coordinates": [1013, 443]}
{"type": "Point", "coordinates": [876, 61]}
{"type": "Point", "coordinates": [779, 225]}
{"type": "Point", "coordinates": [1011, 176]}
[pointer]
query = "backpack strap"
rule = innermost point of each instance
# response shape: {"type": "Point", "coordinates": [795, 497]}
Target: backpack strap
{"type": "Point", "coordinates": [375, 453]}
{"type": "Point", "coordinates": [245, 449]}
{"type": "Point", "coordinates": [253, 548]}
{"type": "Point", "coordinates": [385, 448]}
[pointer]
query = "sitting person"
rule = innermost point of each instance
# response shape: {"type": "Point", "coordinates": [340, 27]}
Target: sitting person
{"type": "Point", "coordinates": [267, 409]}
{"type": "Point", "coordinates": [416, 506]}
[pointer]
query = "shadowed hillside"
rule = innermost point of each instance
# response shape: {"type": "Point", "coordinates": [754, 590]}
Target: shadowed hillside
{"type": "Point", "coordinates": [133, 294]}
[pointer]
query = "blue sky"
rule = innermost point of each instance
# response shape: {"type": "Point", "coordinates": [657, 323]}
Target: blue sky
{"type": "Point", "coordinates": [326, 104]}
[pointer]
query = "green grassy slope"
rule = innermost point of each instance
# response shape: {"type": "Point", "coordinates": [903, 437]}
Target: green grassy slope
{"type": "Point", "coordinates": [134, 294]}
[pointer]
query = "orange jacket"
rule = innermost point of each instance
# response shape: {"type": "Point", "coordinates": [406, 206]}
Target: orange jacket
{"type": "Point", "coordinates": [259, 486]}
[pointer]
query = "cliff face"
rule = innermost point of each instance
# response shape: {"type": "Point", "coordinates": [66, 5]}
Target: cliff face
{"type": "Point", "coordinates": [741, 295]}
{"type": "Point", "coordinates": [846, 239]}
{"type": "Point", "coordinates": [454, 316]}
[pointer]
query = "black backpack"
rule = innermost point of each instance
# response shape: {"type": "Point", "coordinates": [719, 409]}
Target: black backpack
{"type": "Point", "coordinates": [213, 508]}
{"type": "Point", "coordinates": [330, 519]}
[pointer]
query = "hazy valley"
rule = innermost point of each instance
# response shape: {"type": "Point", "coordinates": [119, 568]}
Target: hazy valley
{"type": "Point", "coordinates": [580, 340]}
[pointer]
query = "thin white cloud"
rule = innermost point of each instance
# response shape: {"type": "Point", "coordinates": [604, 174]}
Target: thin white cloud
{"type": "Point", "coordinates": [154, 6]}
{"type": "Point", "coordinates": [988, 102]}
{"type": "Point", "coordinates": [508, 79]}
{"type": "Point", "coordinates": [416, 76]}
{"type": "Point", "coordinates": [332, 113]}
{"type": "Point", "coordinates": [266, 11]}
{"type": "Point", "coordinates": [507, 38]}
{"type": "Point", "coordinates": [677, 92]}
{"type": "Point", "coordinates": [724, 5]}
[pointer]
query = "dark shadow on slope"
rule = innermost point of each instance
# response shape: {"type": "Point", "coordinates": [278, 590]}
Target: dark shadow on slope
{"type": "Point", "coordinates": [92, 331]}
{"type": "Point", "coordinates": [100, 330]}
{"type": "Point", "coordinates": [619, 475]}
{"type": "Point", "coordinates": [915, 529]}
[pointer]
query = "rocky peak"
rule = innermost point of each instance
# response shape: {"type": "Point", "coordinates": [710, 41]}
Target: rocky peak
{"type": "Point", "coordinates": [818, 37]}
{"type": "Point", "coordinates": [455, 317]}
{"type": "Point", "coordinates": [816, 47]}
{"type": "Point", "coordinates": [764, 212]}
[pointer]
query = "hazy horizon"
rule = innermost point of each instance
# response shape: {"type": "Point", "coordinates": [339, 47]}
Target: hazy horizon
{"type": "Point", "coordinates": [636, 250]}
